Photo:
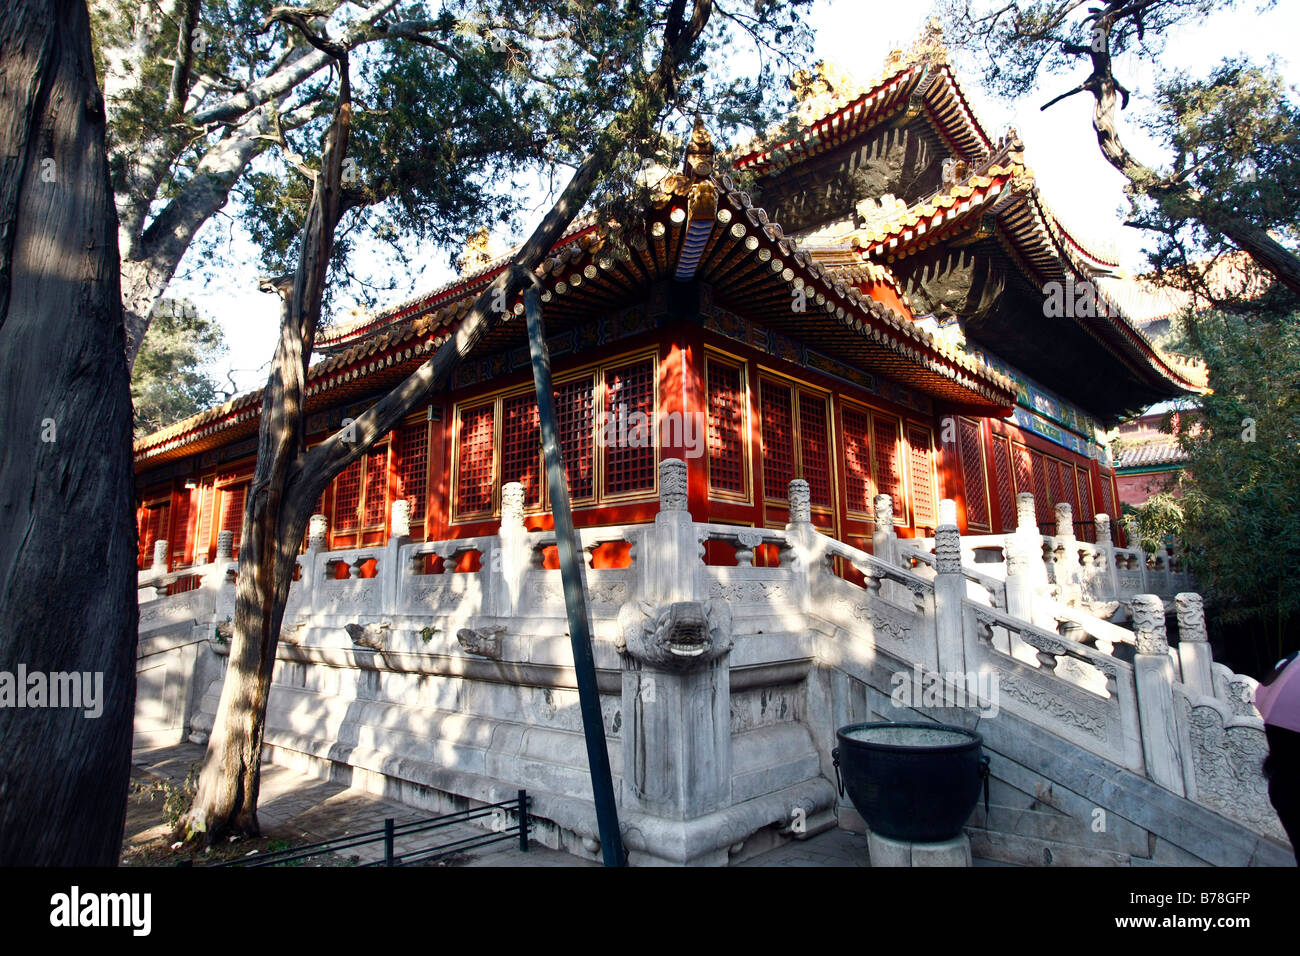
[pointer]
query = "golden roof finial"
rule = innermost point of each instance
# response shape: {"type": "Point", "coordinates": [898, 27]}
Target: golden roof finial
{"type": "Point", "coordinates": [699, 152]}
{"type": "Point", "coordinates": [928, 47]}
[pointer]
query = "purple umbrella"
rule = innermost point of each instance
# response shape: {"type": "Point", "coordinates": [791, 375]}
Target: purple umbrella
{"type": "Point", "coordinates": [1278, 697]}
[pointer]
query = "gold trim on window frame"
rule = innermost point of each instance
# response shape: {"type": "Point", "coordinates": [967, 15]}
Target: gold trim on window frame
{"type": "Point", "coordinates": [984, 464]}
{"type": "Point", "coordinates": [796, 385]}
{"type": "Point", "coordinates": [745, 497]}
{"type": "Point", "coordinates": [598, 498]}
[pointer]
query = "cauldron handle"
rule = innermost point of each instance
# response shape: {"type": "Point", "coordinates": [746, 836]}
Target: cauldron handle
{"type": "Point", "coordinates": [984, 772]}
{"type": "Point", "coordinates": [835, 759]}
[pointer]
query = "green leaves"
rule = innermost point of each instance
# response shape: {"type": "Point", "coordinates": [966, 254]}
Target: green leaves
{"type": "Point", "coordinates": [1238, 513]}
{"type": "Point", "coordinates": [1235, 138]}
{"type": "Point", "coordinates": [463, 100]}
{"type": "Point", "coordinates": [168, 382]}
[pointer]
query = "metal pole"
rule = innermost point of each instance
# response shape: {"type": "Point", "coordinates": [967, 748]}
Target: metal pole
{"type": "Point", "coordinates": [523, 821]}
{"type": "Point", "coordinates": [575, 599]}
{"type": "Point", "coordinates": [388, 841]}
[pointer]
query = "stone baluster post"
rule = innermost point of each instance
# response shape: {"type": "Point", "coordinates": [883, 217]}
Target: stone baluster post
{"type": "Point", "coordinates": [1106, 553]}
{"type": "Point", "coordinates": [318, 527]}
{"type": "Point", "coordinates": [317, 542]}
{"type": "Point", "coordinates": [1153, 672]}
{"type": "Point", "coordinates": [223, 574]}
{"type": "Point", "coordinates": [676, 703]}
{"type": "Point", "coordinates": [1194, 652]}
{"type": "Point", "coordinates": [809, 567]}
{"type": "Point", "coordinates": [159, 566]}
{"type": "Point", "coordinates": [672, 565]}
{"type": "Point", "coordinates": [884, 545]}
{"type": "Point", "coordinates": [1164, 569]}
{"type": "Point", "coordinates": [949, 590]}
{"type": "Point", "coordinates": [1069, 574]}
{"type": "Point", "coordinates": [884, 540]}
{"type": "Point", "coordinates": [1135, 544]}
{"type": "Point", "coordinates": [225, 547]}
{"type": "Point", "coordinates": [514, 553]}
{"type": "Point", "coordinates": [390, 565]}
{"type": "Point", "coordinates": [1026, 573]}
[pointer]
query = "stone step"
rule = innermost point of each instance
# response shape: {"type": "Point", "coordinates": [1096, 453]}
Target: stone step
{"type": "Point", "coordinates": [1054, 827]}
{"type": "Point", "coordinates": [771, 758]}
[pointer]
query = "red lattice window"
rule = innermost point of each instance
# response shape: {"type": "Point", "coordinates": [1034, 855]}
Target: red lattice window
{"type": "Point", "coordinates": [232, 514]}
{"type": "Point", "coordinates": [814, 448]}
{"type": "Point", "coordinates": [181, 524]}
{"type": "Point", "coordinates": [973, 474]}
{"type": "Point", "coordinates": [889, 465]}
{"type": "Point", "coordinates": [153, 524]}
{"type": "Point", "coordinates": [629, 411]}
{"type": "Point", "coordinates": [778, 439]}
{"type": "Point", "coordinates": [1107, 497]}
{"type": "Point", "coordinates": [575, 414]}
{"type": "Point", "coordinates": [376, 487]}
{"type": "Point", "coordinates": [1056, 485]}
{"type": "Point", "coordinates": [411, 448]}
{"type": "Point", "coordinates": [1006, 488]}
{"type": "Point", "coordinates": [521, 446]}
{"type": "Point", "coordinates": [1042, 508]}
{"type": "Point", "coordinates": [1024, 469]}
{"type": "Point", "coordinates": [921, 465]}
{"type": "Point", "coordinates": [726, 404]}
{"type": "Point", "coordinates": [1085, 498]}
{"type": "Point", "coordinates": [347, 498]}
{"type": "Point", "coordinates": [1071, 492]}
{"type": "Point", "coordinates": [207, 495]}
{"type": "Point", "coordinates": [474, 460]}
{"type": "Point", "coordinates": [857, 459]}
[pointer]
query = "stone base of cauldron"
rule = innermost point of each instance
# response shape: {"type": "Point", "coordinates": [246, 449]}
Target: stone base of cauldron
{"type": "Point", "coordinates": [887, 852]}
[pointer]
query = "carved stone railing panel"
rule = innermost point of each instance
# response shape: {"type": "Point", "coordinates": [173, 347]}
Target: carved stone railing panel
{"type": "Point", "coordinates": [1081, 694]}
{"type": "Point", "coordinates": [352, 595]}
{"type": "Point", "coordinates": [1235, 691]}
{"type": "Point", "coordinates": [1223, 755]}
{"type": "Point", "coordinates": [162, 612]}
{"type": "Point", "coordinates": [901, 631]}
{"type": "Point", "coordinates": [876, 571]}
{"type": "Point", "coordinates": [751, 589]}
{"type": "Point", "coordinates": [984, 588]}
{"type": "Point", "coordinates": [746, 540]}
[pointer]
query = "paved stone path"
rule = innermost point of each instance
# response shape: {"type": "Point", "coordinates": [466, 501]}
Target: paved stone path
{"type": "Point", "coordinates": [305, 809]}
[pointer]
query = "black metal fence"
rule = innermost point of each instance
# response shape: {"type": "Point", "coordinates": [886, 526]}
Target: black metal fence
{"type": "Point", "coordinates": [392, 833]}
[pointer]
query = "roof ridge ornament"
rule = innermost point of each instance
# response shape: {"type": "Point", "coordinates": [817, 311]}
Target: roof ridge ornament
{"type": "Point", "coordinates": [699, 152]}
{"type": "Point", "coordinates": [928, 48]}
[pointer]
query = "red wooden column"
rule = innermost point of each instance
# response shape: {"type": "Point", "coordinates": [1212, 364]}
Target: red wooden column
{"type": "Point", "coordinates": [949, 478]}
{"type": "Point", "coordinates": [437, 512]}
{"type": "Point", "coordinates": [681, 393]}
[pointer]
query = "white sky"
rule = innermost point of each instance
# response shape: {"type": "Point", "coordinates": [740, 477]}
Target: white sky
{"type": "Point", "coordinates": [1060, 147]}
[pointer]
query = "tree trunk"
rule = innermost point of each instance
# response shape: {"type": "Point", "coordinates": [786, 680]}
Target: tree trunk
{"type": "Point", "coordinates": [289, 479]}
{"type": "Point", "coordinates": [1267, 252]}
{"type": "Point", "coordinates": [226, 800]}
{"type": "Point", "coordinates": [67, 541]}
